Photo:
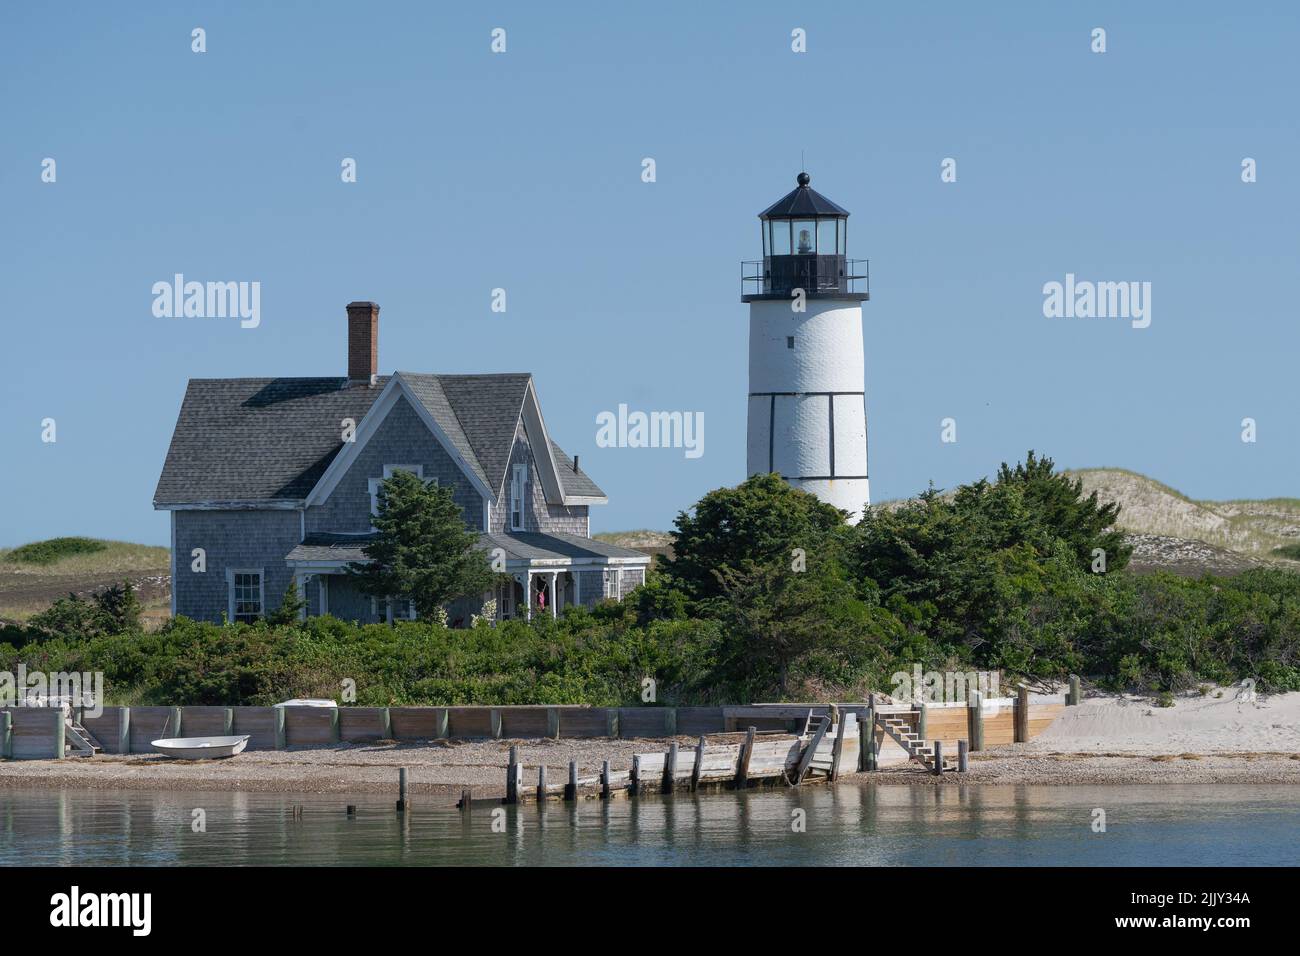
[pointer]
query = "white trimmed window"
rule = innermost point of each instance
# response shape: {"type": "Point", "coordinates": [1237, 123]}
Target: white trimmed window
{"type": "Point", "coordinates": [612, 576]}
{"type": "Point", "coordinates": [374, 483]}
{"type": "Point", "coordinates": [518, 485]}
{"type": "Point", "coordinates": [246, 595]}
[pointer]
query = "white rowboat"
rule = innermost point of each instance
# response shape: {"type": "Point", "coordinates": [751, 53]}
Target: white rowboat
{"type": "Point", "coordinates": [200, 748]}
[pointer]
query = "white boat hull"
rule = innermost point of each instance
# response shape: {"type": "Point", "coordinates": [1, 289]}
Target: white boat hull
{"type": "Point", "coordinates": [200, 748]}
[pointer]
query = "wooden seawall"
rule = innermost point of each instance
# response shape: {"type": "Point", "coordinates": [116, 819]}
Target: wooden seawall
{"type": "Point", "coordinates": [34, 732]}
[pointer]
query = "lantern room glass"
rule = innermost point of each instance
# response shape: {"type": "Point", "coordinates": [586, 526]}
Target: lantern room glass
{"type": "Point", "coordinates": [805, 237]}
{"type": "Point", "coordinates": [779, 230]}
{"type": "Point", "coordinates": [826, 236]}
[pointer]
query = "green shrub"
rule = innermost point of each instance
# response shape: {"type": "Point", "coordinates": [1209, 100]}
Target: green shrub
{"type": "Point", "coordinates": [54, 550]}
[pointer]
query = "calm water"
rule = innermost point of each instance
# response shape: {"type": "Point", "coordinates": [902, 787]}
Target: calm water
{"type": "Point", "coordinates": [847, 825]}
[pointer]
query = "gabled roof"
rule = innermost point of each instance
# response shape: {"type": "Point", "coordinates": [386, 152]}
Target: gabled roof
{"type": "Point", "coordinates": [257, 439]}
{"type": "Point", "coordinates": [574, 479]}
{"type": "Point", "coordinates": [270, 442]}
{"type": "Point", "coordinates": [488, 409]}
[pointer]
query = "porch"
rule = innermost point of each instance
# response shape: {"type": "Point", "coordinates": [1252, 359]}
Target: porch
{"type": "Point", "coordinates": [546, 574]}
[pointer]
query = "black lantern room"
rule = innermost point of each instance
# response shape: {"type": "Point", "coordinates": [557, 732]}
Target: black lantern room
{"type": "Point", "coordinates": [804, 240]}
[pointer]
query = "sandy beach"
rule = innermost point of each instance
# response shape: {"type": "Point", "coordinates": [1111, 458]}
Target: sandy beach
{"type": "Point", "coordinates": [1105, 740]}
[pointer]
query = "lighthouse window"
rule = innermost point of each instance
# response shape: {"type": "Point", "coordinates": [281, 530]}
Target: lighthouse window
{"type": "Point", "coordinates": [826, 237]}
{"type": "Point", "coordinates": [780, 230]}
{"type": "Point", "coordinates": [805, 238]}
{"type": "Point", "coordinates": [789, 341]}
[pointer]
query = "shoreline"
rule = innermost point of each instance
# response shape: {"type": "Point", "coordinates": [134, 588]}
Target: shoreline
{"type": "Point", "coordinates": [446, 769]}
{"type": "Point", "coordinates": [1105, 740]}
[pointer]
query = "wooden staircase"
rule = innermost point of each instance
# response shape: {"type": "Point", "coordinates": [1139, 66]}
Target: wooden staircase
{"type": "Point", "coordinates": [77, 739]}
{"type": "Point", "coordinates": [900, 729]}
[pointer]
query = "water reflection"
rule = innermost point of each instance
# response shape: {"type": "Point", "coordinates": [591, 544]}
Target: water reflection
{"type": "Point", "coordinates": [846, 825]}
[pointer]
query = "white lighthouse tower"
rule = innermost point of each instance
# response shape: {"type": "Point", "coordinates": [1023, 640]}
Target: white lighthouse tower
{"type": "Point", "coordinates": [807, 397]}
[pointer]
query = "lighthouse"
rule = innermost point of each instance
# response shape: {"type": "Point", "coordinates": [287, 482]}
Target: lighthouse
{"type": "Point", "coordinates": [807, 394]}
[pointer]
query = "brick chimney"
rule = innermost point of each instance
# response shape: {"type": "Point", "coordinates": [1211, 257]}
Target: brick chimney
{"type": "Point", "coordinates": [363, 342]}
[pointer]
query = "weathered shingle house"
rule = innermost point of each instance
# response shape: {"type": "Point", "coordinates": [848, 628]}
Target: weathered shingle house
{"type": "Point", "coordinates": [274, 479]}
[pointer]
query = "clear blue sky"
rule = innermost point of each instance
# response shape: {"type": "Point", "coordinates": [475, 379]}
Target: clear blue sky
{"type": "Point", "coordinates": [522, 171]}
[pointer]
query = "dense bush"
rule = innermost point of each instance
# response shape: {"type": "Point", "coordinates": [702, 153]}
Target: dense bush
{"type": "Point", "coordinates": [767, 598]}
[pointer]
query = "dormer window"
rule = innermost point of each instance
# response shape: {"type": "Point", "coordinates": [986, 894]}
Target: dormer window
{"type": "Point", "coordinates": [518, 485]}
{"type": "Point", "coordinates": [374, 483]}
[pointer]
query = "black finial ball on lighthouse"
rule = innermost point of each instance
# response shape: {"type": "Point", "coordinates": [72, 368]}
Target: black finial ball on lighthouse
{"type": "Point", "coordinates": [803, 179]}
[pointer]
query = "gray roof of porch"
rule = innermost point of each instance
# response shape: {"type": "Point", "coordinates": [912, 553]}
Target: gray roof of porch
{"type": "Point", "coordinates": [519, 546]}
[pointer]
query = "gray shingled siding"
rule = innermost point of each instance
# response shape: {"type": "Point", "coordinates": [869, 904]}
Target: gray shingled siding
{"type": "Point", "coordinates": [402, 439]}
{"type": "Point", "coordinates": [538, 514]}
{"type": "Point", "coordinates": [347, 603]}
{"type": "Point", "coordinates": [246, 540]}
{"type": "Point", "coordinates": [593, 587]}
{"type": "Point", "coordinates": [630, 580]}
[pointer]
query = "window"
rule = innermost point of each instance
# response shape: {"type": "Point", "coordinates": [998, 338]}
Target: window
{"type": "Point", "coordinates": [246, 596]}
{"type": "Point", "coordinates": [611, 583]}
{"type": "Point", "coordinates": [789, 341]}
{"type": "Point", "coordinates": [780, 230]}
{"type": "Point", "coordinates": [517, 486]}
{"type": "Point", "coordinates": [805, 237]}
{"type": "Point", "coordinates": [374, 483]}
{"type": "Point", "coordinates": [826, 237]}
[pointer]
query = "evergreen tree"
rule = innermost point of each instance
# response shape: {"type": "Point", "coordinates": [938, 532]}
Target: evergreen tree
{"type": "Point", "coordinates": [422, 550]}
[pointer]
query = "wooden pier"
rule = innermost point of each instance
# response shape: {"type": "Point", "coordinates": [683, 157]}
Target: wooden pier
{"type": "Point", "coordinates": [772, 758]}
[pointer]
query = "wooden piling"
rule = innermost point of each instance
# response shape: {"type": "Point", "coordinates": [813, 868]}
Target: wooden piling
{"type": "Point", "coordinates": [922, 721]}
{"type": "Point", "coordinates": [335, 732]}
{"type": "Point", "coordinates": [494, 717]}
{"type": "Point", "coordinates": [864, 736]}
{"type": "Point", "coordinates": [975, 720]}
{"type": "Point", "coordinates": [938, 758]}
{"type": "Point", "coordinates": [571, 788]}
{"type": "Point", "coordinates": [6, 734]}
{"type": "Point", "coordinates": [442, 721]}
{"type": "Point", "coordinates": [1076, 692]}
{"type": "Point", "coordinates": [124, 730]}
{"type": "Point", "coordinates": [278, 716]}
{"type": "Point", "coordinates": [634, 778]}
{"type": "Point", "coordinates": [742, 765]}
{"type": "Point", "coordinates": [838, 751]}
{"type": "Point", "coordinates": [699, 765]}
{"type": "Point", "coordinates": [810, 751]}
{"type": "Point", "coordinates": [60, 745]}
{"type": "Point", "coordinates": [670, 722]}
{"type": "Point", "coordinates": [604, 780]}
{"type": "Point", "coordinates": [401, 788]}
{"type": "Point", "coordinates": [670, 769]}
{"type": "Point", "coordinates": [228, 721]}
{"type": "Point", "coordinates": [963, 757]}
{"type": "Point", "coordinates": [553, 722]}
{"type": "Point", "coordinates": [514, 776]}
{"type": "Point", "coordinates": [386, 719]}
{"type": "Point", "coordinates": [611, 722]}
{"type": "Point", "coordinates": [1022, 715]}
{"type": "Point", "coordinates": [541, 784]}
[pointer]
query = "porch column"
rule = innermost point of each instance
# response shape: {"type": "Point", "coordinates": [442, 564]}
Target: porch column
{"type": "Point", "coordinates": [555, 598]}
{"type": "Point", "coordinates": [324, 594]}
{"type": "Point", "coordinates": [528, 595]}
{"type": "Point", "coordinates": [300, 586]}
